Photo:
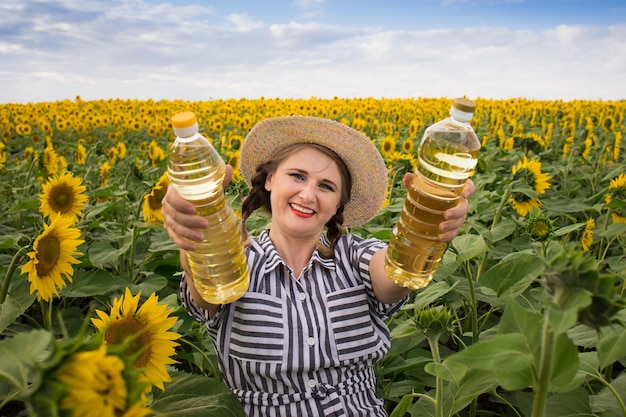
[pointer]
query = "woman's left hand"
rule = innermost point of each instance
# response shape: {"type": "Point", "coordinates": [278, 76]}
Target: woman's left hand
{"type": "Point", "coordinates": [455, 217]}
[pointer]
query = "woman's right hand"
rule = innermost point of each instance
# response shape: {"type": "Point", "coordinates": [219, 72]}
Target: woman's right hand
{"type": "Point", "coordinates": [180, 220]}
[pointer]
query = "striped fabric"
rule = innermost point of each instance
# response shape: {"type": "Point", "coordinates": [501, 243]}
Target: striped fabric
{"type": "Point", "coordinates": [303, 346]}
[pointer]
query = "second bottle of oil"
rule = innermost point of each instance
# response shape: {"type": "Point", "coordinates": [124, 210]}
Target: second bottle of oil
{"type": "Point", "coordinates": [446, 157]}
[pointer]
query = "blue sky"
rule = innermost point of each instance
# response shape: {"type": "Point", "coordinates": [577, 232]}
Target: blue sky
{"type": "Point", "coordinates": [207, 49]}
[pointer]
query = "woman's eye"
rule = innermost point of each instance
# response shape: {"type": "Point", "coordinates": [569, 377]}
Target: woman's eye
{"type": "Point", "coordinates": [327, 187]}
{"type": "Point", "coordinates": [296, 176]}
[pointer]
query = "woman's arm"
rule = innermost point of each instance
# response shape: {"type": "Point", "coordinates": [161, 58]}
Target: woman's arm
{"type": "Point", "coordinates": [385, 290]}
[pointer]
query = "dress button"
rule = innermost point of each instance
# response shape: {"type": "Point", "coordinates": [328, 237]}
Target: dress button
{"type": "Point", "coordinates": [302, 296]}
{"type": "Point", "coordinates": [312, 383]}
{"type": "Point", "coordinates": [311, 341]}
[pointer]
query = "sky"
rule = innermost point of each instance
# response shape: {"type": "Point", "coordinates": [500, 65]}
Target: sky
{"type": "Point", "coordinates": [220, 49]}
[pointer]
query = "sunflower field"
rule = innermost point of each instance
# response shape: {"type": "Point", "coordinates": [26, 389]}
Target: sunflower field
{"type": "Point", "coordinates": [525, 316]}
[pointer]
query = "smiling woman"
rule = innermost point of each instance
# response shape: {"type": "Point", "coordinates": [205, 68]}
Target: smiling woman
{"type": "Point", "coordinates": [306, 335]}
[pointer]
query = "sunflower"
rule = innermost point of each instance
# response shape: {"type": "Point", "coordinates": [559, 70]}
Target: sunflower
{"type": "Point", "coordinates": [155, 153]}
{"type": "Point", "coordinates": [81, 154]}
{"type": "Point", "coordinates": [62, 196]}
{"type": "Point", "coordinates": [96, 386]}
{"type": "Point", "coordinates": [587, 238]}
{"type": "Point", "coordinates": [105, 169]}
{"type": "Point", "coordinates": [113, 154]}
{"type": "Point", "coordinates": [388, 146]}
{"type": "Point", "coordinates": [121, 149]}
{"type": "Point", "coordinates": [539, 227]}
{"type": "Point", "coordinates": [51, 259]}
{"type": "Point", "coordinates": [50, 160]}
{"type": "Point", "coordinates": [29, 153]}
{"type": "Point", "coordinates": [152, 201]}
{"type": "Point", "coordinates": [616, 145]}
{"type": "Point", "coordinates": [149, 325]}
{"type": "Point", "coordinates": [233, 161]}
{"type": "Point", "coordinates": [407, 146]}
{"type": "Point", "coordinates": [528, 173]}
{"type": "Point", "coordinates": [617, 191]}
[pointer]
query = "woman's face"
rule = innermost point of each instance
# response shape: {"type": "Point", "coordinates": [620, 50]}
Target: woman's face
{"type": "Point", "coordinates": [305, 192]}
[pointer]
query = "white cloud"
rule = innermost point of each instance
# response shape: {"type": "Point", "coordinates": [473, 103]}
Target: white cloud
{"type": "Point", "coordinates": [129, 49]}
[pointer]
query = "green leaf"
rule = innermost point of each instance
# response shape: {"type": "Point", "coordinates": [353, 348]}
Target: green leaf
{"type": "Point", "coordinates": [19, 359]}
{"type": "Point", "coordinates": [190, 395]}
{"type": "Point", "coordinates": [17, 302]}
{"type": "Point", "coordinates": [502, 230]}
{"type": "Point", "coordinates": [569, 228]}
{"type": "Point", "coordinates": [154, 283]}
{"type": "Point", "coordinates": [474, 383]}
{"type": "Point", "coordinates": [512, 275]}
{"type": "Point", "coordinates": [103, 255]}
{"type": "Point", "coordinates": [401, 408]}
{"type": "Point", "coordinates": [571, 302]}
{"type": "Point", "coordinates": [9, 242]}
{"type": "Point", "coordinates": [564, 366]}
{"type": "Point", "coordinates": [611, 345]}
{"type": "Point", "coordinates": [583, 336]}
{"type": "Point", "coordinates": [469, 246]}
{"type": "Point", "coordinates": [588, 362]}
{"type": "Point", "coordinates": [431, 293]}
{"type": "Point", "coordinates": [570, 404]}
{"type": "Point", "coordinates": [90, 283]}
{"type": "Point", "coordinates": [606, 401]}
{"type": "Point", "coordinates": [504, 351]}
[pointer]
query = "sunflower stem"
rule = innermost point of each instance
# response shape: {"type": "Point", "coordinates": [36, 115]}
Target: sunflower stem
{"type": "Point", "coordinates": [433, 341]}
{"type": "Point", "coordinates": [46, 312]}
{"type": "Point", "coordinates": [494, 222]}
{"type": "Point", "coordinates": [9, 275]}
{"type": "Point", "coordinates": [131, 260]}
{"type": "Point", "coordinates": [545, 370]}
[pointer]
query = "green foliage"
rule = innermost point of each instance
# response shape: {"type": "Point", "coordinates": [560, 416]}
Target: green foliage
{"type": "Point", "coordinates": [521, 319]}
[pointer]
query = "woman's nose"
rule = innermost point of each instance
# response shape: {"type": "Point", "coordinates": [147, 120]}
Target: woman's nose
{"type": "Point", "coordinates": [307, 192]}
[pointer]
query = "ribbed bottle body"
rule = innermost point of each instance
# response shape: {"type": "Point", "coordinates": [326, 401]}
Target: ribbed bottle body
{"type": "Point", "coordinates": [218, 265]}
{"type": "Point", "coordinates": [446, 158]}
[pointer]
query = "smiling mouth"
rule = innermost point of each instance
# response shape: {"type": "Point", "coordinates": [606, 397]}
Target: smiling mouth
{"type": "Point", "coordinates": [301, 211]}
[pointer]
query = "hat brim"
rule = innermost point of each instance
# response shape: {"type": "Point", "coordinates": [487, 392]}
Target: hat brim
{"type": "Point", "coordinates": [364, 161]}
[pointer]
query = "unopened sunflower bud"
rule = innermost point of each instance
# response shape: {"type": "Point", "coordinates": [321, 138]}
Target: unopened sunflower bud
{"type": "Point", "coordinates": [434, 319]}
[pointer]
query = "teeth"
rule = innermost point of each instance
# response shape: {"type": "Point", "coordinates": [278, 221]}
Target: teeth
{"type": "Point", "coordinates": [302, 209]}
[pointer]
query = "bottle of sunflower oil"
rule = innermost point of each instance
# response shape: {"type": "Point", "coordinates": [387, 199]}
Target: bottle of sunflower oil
{"type": "Point", "coordinates": [196, 170]}
{"type": "Point", "coordinates": [446, 157]}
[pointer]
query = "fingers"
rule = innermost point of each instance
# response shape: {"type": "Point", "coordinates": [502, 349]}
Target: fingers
{"type": "Point", "coordinates": [456, 216]}
{"type": "Point", "coordinates": [227, 175]}
{"type": "Point", "coordinates": [468, 189]}
{"type": "Point", "coordinates": [183, 226]}
{"type": "Point", "coordinates": [406, 180]}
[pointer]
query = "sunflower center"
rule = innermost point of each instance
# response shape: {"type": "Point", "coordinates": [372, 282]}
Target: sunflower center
{"type": "Point", "coordinates": [61, 198]}
{"type": "Point", "coordinates": [130, 327]}
{"type": "Point", "coordinates": [155, 201]}
{"type": "Point", "coordinates": [48, 253]}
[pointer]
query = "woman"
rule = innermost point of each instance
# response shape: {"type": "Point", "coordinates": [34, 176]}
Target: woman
{"type": "Point", "coordinates": [305, 337]}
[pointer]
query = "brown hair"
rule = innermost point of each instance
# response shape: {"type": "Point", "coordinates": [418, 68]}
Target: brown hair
{"type": "Point", "coordinates": [259, 197]}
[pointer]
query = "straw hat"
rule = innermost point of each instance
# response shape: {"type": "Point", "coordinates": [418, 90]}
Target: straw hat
{"type": "Point", "coordinates": [364, 161]}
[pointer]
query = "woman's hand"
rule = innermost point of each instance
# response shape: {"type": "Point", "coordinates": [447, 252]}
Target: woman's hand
{"type": "Point", "coordinates": [180, 220]}
{"type": "Point", "coordinates": [455, 217]}
{"type": "Point", "coordinates": [184, 227]}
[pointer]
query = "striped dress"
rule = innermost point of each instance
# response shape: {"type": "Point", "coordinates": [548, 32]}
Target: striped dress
{"type": "Point", "coordinates": [303, 346]}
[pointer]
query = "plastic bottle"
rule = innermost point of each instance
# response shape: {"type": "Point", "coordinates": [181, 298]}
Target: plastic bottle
{"type": "Point", "coordinates": [447, 156]}
{"type": "Point", "coordinates": [196, 170]}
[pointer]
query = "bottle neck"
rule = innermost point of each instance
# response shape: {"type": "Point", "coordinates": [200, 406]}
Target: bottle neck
{"type": "Point", "coordinates": [186, 132]}
{"type": "Point", "coordinates": [460, 116]}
